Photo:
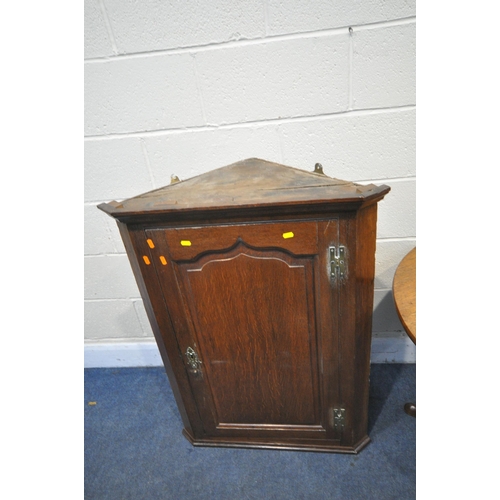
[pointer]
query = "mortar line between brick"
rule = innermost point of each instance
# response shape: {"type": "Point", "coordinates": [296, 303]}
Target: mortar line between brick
{"type": "Point", "coordinates": [256, 123]}
{"type": "Point", "coordinates": [253, 41]}
{"type": "Point", "coordinates": [109, 232]}
{"type": "Point", "coordinates": [266, 16]}
{"type": "Point", "coordinates": [386, 24]}
{"type": "Point", "coordinates": [351, 51]}
{"type": "Point", "coordinates": [118, 341]}
{"type": "Point", "coordinates": [198, 87]}
{"type": "Point", "coordinates": [121, 299]}
{"type": "Point", "coordinates": [109, 29]}
{"type": "Point", "coordinates": [148, 163]}
{"type": "Point", "coordinates": [135, 305]}
{"type": "Point", "coordinates": [106, 254]}
{"type": "Point", "coordinates": [280, 143]}
{"type": "Point", "coordinates": [387, 179]}
{"type": "Point", "coordinates": [397, 240]}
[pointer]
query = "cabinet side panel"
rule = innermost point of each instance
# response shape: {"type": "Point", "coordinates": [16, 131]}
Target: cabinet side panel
{"type": "Point", "coordinates": [327, 303]}
{"type": "Point", "coordinates": [348, 349]}
{"type": "Point", "coordinates": [365, 276]}
{"type": "Point", "coordinates": [358, 230]}
{"type": "Point", "coordinates": [147, 281]}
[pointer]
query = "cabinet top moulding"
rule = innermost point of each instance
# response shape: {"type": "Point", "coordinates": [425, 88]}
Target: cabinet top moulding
{"type": "Point", "coordinates": [252, 187]}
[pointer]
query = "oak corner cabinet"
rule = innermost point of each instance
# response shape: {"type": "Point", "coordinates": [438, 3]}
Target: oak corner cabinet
{"type": "Point", "coordinates": [258, 281]}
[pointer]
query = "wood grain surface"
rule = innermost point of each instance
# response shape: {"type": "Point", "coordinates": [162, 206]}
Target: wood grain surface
{"type": "Point", "coordinates": [405, 293]}
{"type": "Point", "coordinates": [248, 183]}
{"type": "Point", "coordinates": [266, 344]}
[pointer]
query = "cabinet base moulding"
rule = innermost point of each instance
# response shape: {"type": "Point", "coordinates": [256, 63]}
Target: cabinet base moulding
{"type": "Point", "coordinates": [270, 444]}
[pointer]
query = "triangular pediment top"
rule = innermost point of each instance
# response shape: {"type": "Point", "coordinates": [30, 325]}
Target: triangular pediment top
{"type": "Point", "coordinates": [250, 182]}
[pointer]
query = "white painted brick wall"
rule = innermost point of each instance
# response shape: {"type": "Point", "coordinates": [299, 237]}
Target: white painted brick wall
{"type": "Point", "coordinates": [297, 16]}
{"type": "Point", "coordinates": [142, 93]}
{"type": "Point", "coordinates": [201, 150]}
{"type": "Point", "coordinates": [109, 277]}
{"type": "Point", "coordinates": [119, 319]}
{"type": "Point", "coordinates": [97, 40]}
{"type": "Point", "coordinates": [354, 146]}
{"type": "Point", "coordinates": [277, 79]}
{"type": "Point", "coordinates": [383, 67]}
{"type": "Point", "coordinates": [185, 87]}
{"type": "Point", "coordinates": [115, 169]}
{"type": "Point", "coordinates": [150, 25]}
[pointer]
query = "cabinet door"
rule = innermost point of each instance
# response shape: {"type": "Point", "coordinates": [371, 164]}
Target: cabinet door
{"type": "Point", "coordinates": [253, 313]}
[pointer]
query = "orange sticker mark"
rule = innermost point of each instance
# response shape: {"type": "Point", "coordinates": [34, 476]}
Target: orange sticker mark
{"type": "Point", "coordinates": [150, 243]}
{"type": "Point", "coordinates": [146, 259]}
{"type": "Point", "coordinates": [163, 260]}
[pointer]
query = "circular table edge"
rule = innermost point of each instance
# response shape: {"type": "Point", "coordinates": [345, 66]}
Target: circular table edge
{"type": "Point", "coordinates": [406, 264]}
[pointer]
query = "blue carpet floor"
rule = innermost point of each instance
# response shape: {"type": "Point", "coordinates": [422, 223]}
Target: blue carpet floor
{"type": "Point", "coordinates": [134, 448]}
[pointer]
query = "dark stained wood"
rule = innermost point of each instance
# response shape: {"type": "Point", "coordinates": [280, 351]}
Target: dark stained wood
{"type": "Point", "coordinates": [251, 186]}
{"type": "Point", "coordinates": [328, 328]}
{"type": "Point", "coordinates": [300, 238]}
{"type": "Point", "coordinates": [235, 265]}
{"type": "Point", "coordinates": [250, 311]}
{"type": "Point", "coordinates": [260, 355]}
{"type": "Point", "coordinates": [159, 318]}
{"type": "Point", "coordinates": [365, 242]}
{"type": "Point", "coordinates": [284, 444]}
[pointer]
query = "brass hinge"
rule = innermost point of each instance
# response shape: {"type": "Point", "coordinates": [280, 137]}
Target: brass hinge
{"type": "Point", "coordinates": [338, 264]}
{"type": "Point", "coordinates": [338, 418]}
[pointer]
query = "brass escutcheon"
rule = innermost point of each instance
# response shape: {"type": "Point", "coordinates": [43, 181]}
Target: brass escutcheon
{"type": "Point", "coordinates": [192, 358]}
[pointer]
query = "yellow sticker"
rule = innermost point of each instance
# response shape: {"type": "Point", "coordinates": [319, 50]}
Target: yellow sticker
{"type": "Point", "coordinates": [146, 259]}
{"type": "Point", "coordinates": [92, 403]}
{"type": "Point", "coordinates": [163, 260]}
{"type": "Point", "coordinates": [150, 243]}
{"type": "Point", "coordinates": [185, 243]}
{"type": "Point", "coordinates": [288, 235]}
